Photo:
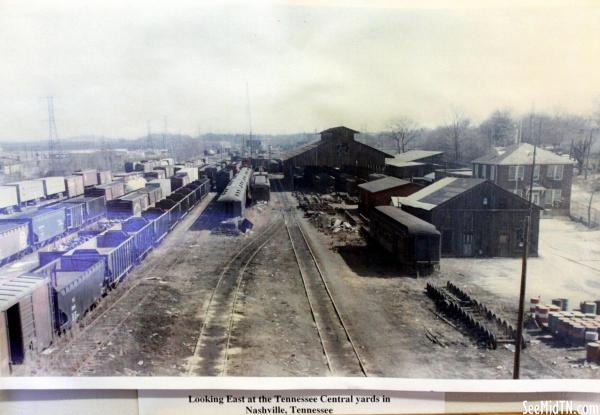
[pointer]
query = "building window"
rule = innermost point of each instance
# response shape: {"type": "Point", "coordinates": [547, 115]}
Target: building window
{"type": "Point", "coordinates": [556, 197]}
{"type": "Point", "coordinates": [536, 173]}
{"type": "Point", "coordinates": [516, 173]}
{"type": "Point", "coordinates": [476, 170]}
{"type": "Point", "coordinates": [492, 173]}
{"type": "Point", "coordinates": [555, 172]}
{"type": "Point", "coordinates": [484, 171]}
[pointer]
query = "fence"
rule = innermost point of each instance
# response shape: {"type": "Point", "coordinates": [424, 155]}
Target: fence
{"type": "Point", "coordinates": [579, 213]}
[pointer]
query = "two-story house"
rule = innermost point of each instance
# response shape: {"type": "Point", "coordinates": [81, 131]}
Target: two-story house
{"type": "Point", "coordinates": [511, 168]}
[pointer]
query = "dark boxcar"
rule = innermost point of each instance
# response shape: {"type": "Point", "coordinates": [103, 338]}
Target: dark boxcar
{"type": "Point", "coordinates": [412, 241]}
{"type": "Point", "coordinates": [154, 192]}
{"type": "Point", "coordinates": [261, 188]}
{"type": "Point", "coordinates": [131, 204]}
{"type": "Point", "coordinates": [222, 179]}
{"type": "Point", "coordinates": [115, 247]}
{"type": "Point", "coordinates": [110, 190]}
{"type": "Point", "coordinates": [94, 206]}
{"type": "Point", "coordinates": [77, 284]}
{"type": "Point", "coordinates": [74, 214]}
{"type": "Point", "coordinates": [161, 221]}
{"type": "Point", "coordinates": [143, 235]}
{"type": "Point", "coordinates": [233, 198]}
{"type": "Point", "coordinates": [13, 240]}
{"type": "Point", "coordinates": [44, 224]}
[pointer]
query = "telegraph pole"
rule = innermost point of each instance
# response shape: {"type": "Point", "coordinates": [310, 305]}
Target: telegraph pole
{"type": "Point", "coordinates": [527, 236]}
{"type": "Point", "coordinates": [53, 140]}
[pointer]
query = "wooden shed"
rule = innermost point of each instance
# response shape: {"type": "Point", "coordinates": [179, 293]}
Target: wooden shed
{"type": "Point", "coordinates": [476, 217]}
{"type": "Point", "coordinates": [380, 192]}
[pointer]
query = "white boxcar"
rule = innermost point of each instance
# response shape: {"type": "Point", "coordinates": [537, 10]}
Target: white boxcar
{"type": "Point", "coordinates": [165, 186]}
{"type": "Point", "coordinates": [191, 171]}
{"type": "Point", "coordinates": [8, 197]}
{"type": "Point", "coordinates": [74, 185]}
{"type": "Point", "coordinates": [28, 190]}
{"type": "Point", "coordinates": [53, 185]}
{"type": "Point", "coordinates": [134, 183]}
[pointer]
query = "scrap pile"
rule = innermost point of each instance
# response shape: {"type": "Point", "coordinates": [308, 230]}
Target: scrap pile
{"type": "Point", "coordinates": [481, 322]}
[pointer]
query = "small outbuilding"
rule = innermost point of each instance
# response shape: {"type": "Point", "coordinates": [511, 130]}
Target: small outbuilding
{"type": "Point", "coordinates": [380, 192]}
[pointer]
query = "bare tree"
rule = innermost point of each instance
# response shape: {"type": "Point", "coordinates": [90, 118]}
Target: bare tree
{"type": "Point", "coordinates": [594, 187]}
{"type": "Point", "coordinates": [403, 131]}
{"type": "Point", "coordinates": [456, 131]}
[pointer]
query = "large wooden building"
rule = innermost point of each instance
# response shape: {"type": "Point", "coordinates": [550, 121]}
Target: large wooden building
{"type": "Point", "coordinates": [475, 217]}
{"type": "Point", "coordinates": [414, 163]}
{"type": "Point", "coordinates": [336, 148]}
{"type": "Point", "coordinates": [511, 168]}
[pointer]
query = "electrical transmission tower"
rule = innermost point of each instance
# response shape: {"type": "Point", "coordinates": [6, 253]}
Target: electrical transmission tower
{"type": "Point", "coordinates": [54, 150]}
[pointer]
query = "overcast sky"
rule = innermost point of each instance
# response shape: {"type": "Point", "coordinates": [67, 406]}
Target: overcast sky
{"type": "Point", "coordinates": [112, 67]}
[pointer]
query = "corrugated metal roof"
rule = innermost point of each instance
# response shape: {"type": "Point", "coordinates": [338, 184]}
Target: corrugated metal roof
{"type": "Point", "coordinates": [13, 290]}
{"type": "Point", "coordinates": [382, 184]}
{"type": "Point", "coordinates": [438, 192]}
{"type": "Point", "coordinates": [414, 155]}
{"type": "Point", "coordinates": [521, 154]}
{"type": "Point", "coordinates": [413, 224]}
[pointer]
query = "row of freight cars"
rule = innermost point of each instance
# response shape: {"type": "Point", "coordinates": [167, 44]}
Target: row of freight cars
{"type": "Point", "coordinates": [22, 193]}
{"type": "Point", "coordinates": [43, 304]}
{"type": "Point", "coordinates": [25, 232]}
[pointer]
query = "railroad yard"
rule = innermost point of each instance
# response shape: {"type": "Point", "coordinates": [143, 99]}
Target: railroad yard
{"type": "Point", "coordinates": [257, 306]}
{"type": "Point", "coordinates": [263, 267]}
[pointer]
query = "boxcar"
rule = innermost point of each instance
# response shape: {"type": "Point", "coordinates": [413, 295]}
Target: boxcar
{"type": "Point", "coordinates": [165, 186]}
{"type": "Point", "coordinates": [104, 176]}
{"type": "Point", "coordinates": [143, 235]}
{"type": "Point", "coordinates": [222, 179]}
{"type": "Point", "coordinates": [412, 241]}
{"type": "Point", "coordinates": [44, 225]}
{"type": "Point", "coordinates": [131, 204]}
{"type": "Point", "coordinates": [90, 177]}
{"type": "Point", "coordinates": [74, 186]}
{"type": "Point", "coordinates": [261, 188]}
{"type": "Point", "coordinates": [8, 198]}
{"type": "Point", "coordinates": [154, 194]}
{"type": "Point", "coordinates": [53, 186]}
{"type": "Point", "coordinates": [25, 319]}
{"type": "Point", "coordinates": [77, 283]}
{"type": "Point", "coordinates": [179, 180]}
{"type": "Point", "coordinates": [110, 190]}
{"type": "Point", "coordinates": [14, 240]}
{"type": "Point", "coordinates": [233, 199]}
{"type": "Point", "coordinates": [168, 170]}
{"type": "Point", "coordinates": [28, 190]}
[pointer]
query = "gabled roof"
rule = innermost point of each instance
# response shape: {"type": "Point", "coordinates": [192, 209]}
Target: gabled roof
{"type": "Point", "coordinates": [340, 128]}
{"type": "Point", "coordinates": [382, 184]}
{"type": "Point", "coordinates": [299, 150]}
{"type": "Point", "coordinates": [437, 193]}
{"type": "Point", "coordinates": [521, 154]}
{"type": "Point", "coordinates": [416, 155]}
{"type": "Point", "coordinates": [412, 223]}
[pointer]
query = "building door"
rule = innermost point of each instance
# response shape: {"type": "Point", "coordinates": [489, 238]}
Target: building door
{"type": "Point", "coordinates": [447, 242]}
{"type": "Point", "coordinates": [502, 243]}
{"type": "Point", "coordinates": [468, 244]}
{"type": "Point", "coordinates": [15, 335]}
{"type": "Point", "coordinates": [535, 198]}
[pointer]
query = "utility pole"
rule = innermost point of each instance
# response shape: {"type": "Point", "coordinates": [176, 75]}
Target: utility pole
{"type": "Point", "coordinates": [164, 144]}
{"type": "Point", "coordinates": [249, 124]}
{"type": "Point", "coordinates": [526, 239]}
{"type": "Point", "coordinates": [54, 151]}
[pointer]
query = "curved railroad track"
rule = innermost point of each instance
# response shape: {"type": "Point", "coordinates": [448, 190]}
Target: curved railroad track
{"type": "Point", "coordinates": [211, 352]}
{"type": "Point", "coordinates": [338, 346]}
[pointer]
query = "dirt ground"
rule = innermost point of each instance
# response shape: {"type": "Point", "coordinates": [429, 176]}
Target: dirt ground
{"type": "Point", "coordinates": [154, 324]}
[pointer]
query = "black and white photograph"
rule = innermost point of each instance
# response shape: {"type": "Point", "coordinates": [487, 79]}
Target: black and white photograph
{"type": "Point", "coordinates": [300, 189]}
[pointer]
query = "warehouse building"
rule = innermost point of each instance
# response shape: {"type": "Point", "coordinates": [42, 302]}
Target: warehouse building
{"type": "Point", "coordinates": [379, 192]}
{"type": "Point", "coordinates": [414, 163]}
{"type": "Point", "coordinates": [476, 217]}
{"type": "Point", "coordinates": [336, 148]}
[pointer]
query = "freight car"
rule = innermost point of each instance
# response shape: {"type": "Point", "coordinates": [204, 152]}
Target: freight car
{"type": "Point", "coordinates": [14, 241]}
{"type": "Point", "coordinates": [54, 186]}
{"type": "Point", "coordinates": [74, 214]}
{"type": "Point", "coordinates": [8, 199]}
{"type": "Point", "coordinates": [94, 207]}
{"type": "Point", "coordinates": [44, 225]}
{"type": "Point", "coordinates": [131, 204]}
{"type": "Point", "coordinates": [90, 177]}
{"type": "Point", "coordinates": [413, 242]}
{"type": "Point", "coordinates": [110, 190]}
{"type": "Point", "coordinates": [222, 179]}
{"type": "Point", "coordinates": [76, 284]}
{"type": "Point", "coordinates": [165, 186]}
{"type": "Point", "coordinates": [104, 176]}
{"type": "Point", "coordinates": [179, 180]}
{"type": "Point", "coordinates": [154, 194]}
{"type": "Point", "coordinates": [260, 187]}
{"type": "Point", "coordinates": [233, 198]}
{"type": "Point", "coordinates": [67, 284]}
{"type": "Point", "coordinates": [28, 191]}
{"type": "Point", "coordinates": [74, 186]}
{"type": "Point", "coordinates": [115, 248]}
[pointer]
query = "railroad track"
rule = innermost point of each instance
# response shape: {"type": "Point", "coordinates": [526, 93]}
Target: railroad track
{"type": "Point", "coordinates": [77, 355]}
{"type": "Point", "coordinates": [211, 353]}
{"type": "Point", "coordinates": [338, 347]}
